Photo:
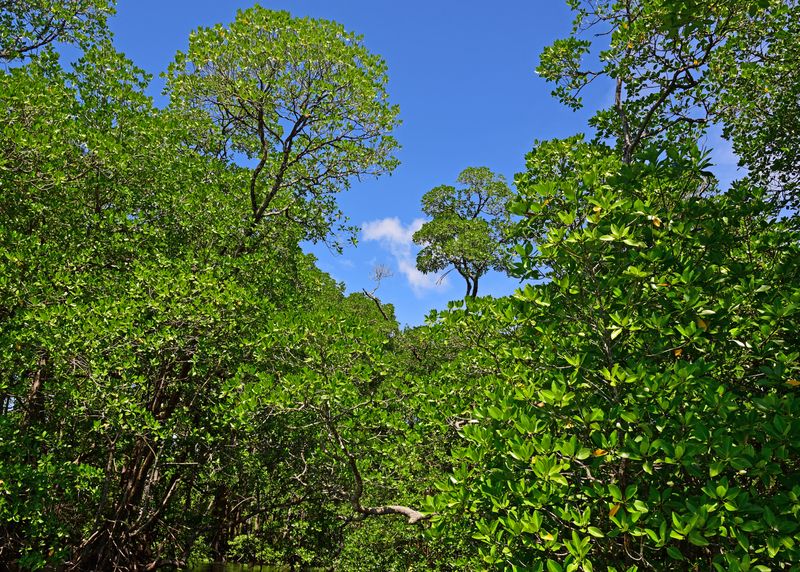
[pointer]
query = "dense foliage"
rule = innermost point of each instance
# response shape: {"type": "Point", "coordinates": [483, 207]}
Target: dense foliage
{"type": "Point", "coordinates": [180, 383]}
{"type": "Point", "coordinates": [642, 411]}
{"type": "Point", "coordinates": [175, 371]}
{"type": "Point", "coordinates": [655, 423]}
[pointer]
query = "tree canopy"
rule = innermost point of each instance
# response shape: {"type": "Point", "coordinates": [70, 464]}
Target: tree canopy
{"type": "Point", "coordinates": [27, 26]}
{"type": "Point", "coordinates": [643, 389]}
{"type": "Point", "coordinates": [678, 67]}
{"type": "Point", "coordinates": [302, 98]}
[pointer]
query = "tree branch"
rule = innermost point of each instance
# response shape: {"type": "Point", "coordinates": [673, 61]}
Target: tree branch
{"type": "Point", "coordinates": [413, 516]}
{"type": "Point", "coordinates": [377, 303]}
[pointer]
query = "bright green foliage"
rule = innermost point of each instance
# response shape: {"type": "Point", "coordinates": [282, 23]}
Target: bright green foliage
{"type": "Point", "coordinates": [104, 291]}
{"type": "Point", "coordinates": [674, 66]}
{"type": "Point", "coordinates": [27, 26]}
{"type": "Point", "coordinates": [467, 227]}
{"type": "Point", "coordinates": [641, 410]}
{"type": "Point", "coordinates": [179, 381]}
{"type": "Point", "coordinates": [562, 164]}
{"type": "Point", "coordinates": [302, 99]}
{"type": "Point", "coordinates": [647, 412]}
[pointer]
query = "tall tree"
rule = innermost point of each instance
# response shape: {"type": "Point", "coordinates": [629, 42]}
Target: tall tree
{"type": "Point", "coordinates": [757, 78]}
{"type": "Point", "coordinates": [466, 230]}
{"type": "Point", "coordinates": [642, 411]}
{"type": "Point", "coordinates": [301, 99]}
{"type": "Point", "coordinates": [153, 343]}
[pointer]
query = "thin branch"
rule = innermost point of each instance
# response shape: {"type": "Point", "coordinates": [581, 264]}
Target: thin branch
{"type": "Point", "coordinates": [374, 298]}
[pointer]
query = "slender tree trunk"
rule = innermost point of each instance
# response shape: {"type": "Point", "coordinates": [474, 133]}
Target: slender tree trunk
{"type": "Point", "coordinates": [472, 287]}
{"type": "Point", "coordinates": [219, 511]}
{"type": "Point", "coordinates": [34, 401]}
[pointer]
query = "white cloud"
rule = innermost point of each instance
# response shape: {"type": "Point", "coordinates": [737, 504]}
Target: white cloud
{"type": "Point", "coordinates": [397, 239]}
{"type": "Point", "coordinates": [391, 231]}
{"type": "Point", "coordinates": [418, 280]}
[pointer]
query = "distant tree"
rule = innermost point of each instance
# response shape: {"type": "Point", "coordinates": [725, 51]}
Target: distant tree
{"type": "Point", "coordinates": [467, 227]}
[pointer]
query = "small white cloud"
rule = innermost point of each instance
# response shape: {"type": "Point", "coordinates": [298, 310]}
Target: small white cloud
{"type": "Point", "coordinates": [419, 281]}
{"type": "Point", "coordinates": [392, 231]}
{"type": "Point", "coordinates": [398, 240]}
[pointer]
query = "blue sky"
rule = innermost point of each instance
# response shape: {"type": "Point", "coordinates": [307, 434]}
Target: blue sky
{"type": "Point", "coordinates": [462, 74]}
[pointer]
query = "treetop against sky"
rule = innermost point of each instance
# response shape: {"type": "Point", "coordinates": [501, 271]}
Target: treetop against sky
{"type": "Point", "coordinates": [463, 76]}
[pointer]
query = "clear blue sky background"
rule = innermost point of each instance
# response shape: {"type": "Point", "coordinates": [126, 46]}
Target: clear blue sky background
{"type": "Point", "coordinates": [462, 74]}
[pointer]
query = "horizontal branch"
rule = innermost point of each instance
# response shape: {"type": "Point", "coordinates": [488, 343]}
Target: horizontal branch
{"type": "Point", "coordinates": [414, 516]}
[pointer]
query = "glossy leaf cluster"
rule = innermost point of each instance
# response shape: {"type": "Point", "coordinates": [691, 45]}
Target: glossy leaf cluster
{"type": "Point", "coordinates": [644, 413]}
